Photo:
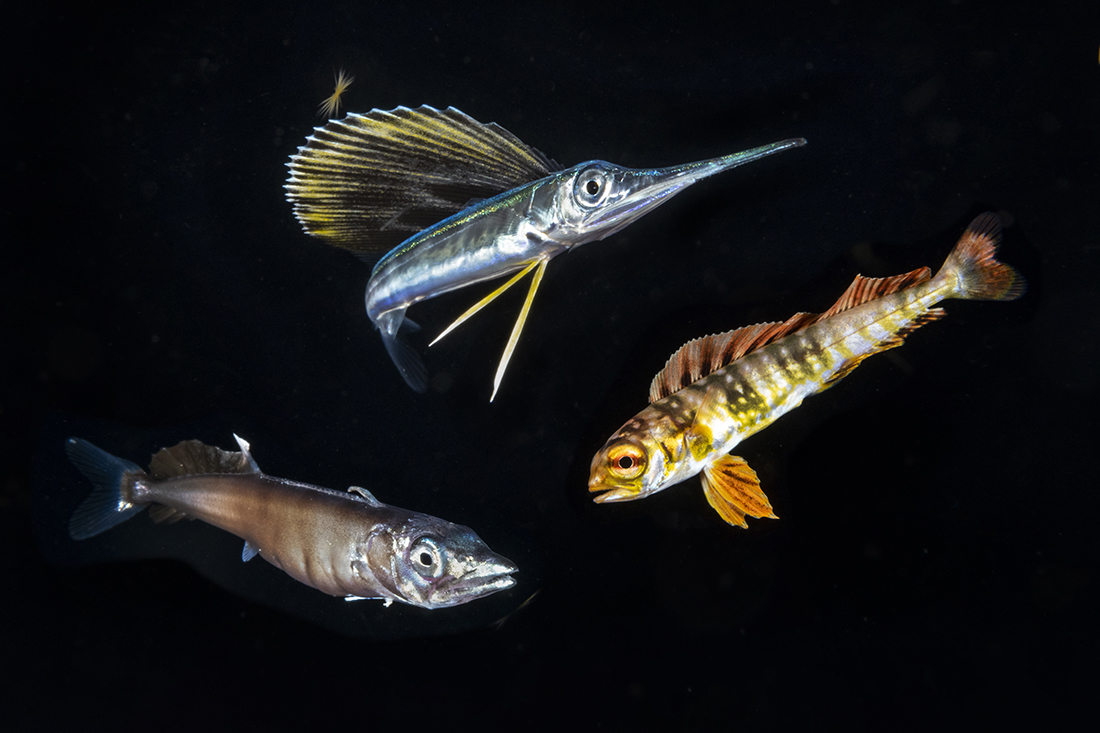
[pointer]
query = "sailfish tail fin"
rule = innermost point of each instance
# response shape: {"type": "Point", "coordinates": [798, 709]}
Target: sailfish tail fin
{"type": "Point", "coordinates": [391, 325]}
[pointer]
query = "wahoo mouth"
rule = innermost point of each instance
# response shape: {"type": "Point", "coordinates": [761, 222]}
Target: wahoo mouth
{"type": "Point", "coordinates": [490, 576]}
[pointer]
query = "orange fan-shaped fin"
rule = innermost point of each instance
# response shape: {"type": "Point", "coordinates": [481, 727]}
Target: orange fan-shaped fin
{"type": "Point", "coordinates": [733, 489]}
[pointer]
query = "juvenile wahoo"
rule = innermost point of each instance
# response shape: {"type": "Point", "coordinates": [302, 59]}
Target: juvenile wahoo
{"type": "Point", "coordinates": [457, 202]}
{"type": "Point", "coordinates": [718, 390]}
{"type": "Point", "coordinates": [342, 543]}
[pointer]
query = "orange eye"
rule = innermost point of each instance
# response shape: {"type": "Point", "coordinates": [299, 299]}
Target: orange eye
{"type": "Point", "coordinates": [626, 460]}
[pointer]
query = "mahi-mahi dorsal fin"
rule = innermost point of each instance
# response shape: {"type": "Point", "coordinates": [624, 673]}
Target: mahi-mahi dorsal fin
{"type": "Point", "coordinates": [369, 182]}
{"type": "Point", "coordinates": [702, 356]}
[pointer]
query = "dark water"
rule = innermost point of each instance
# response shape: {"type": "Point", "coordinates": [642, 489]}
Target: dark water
{"type": "Point", "coordinates": [936, 561]}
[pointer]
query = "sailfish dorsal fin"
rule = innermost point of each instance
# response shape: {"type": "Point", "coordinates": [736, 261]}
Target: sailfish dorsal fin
{"type": "Point", "coordinates": [368, 182]}
{"type": "Point", "coordinates": [702, 356]}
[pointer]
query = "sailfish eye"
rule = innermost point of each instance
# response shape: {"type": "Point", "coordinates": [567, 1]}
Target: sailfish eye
{"type": "Point", "coordinates": [591, 187]}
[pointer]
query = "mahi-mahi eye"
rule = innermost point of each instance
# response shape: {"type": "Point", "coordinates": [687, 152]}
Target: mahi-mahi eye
{"type": "Point", "coordinates": [591, 187]}
{"type": "Point", "coordinates": [626, 461]}
{"type": "Point", "coordinates": [428, 557]}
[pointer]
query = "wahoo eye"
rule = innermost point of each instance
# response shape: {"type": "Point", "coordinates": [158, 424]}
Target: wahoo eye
{"type": "Point", "coordinates": [428, 558]}
{"type": "Point", "coordinates": [626, 461]}
{"type": "Point", "coordinates": [591, 187]}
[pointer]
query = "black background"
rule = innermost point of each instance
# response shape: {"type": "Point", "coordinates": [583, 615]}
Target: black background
{"type": "Point", "coordinates": [936, 561]}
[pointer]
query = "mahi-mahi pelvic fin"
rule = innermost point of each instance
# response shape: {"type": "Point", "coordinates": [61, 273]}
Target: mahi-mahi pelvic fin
{"type": "Point", "coordinates": [404, 180]}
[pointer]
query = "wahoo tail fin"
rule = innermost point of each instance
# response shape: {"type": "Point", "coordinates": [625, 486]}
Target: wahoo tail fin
{"type": "Point", "coordinates": [978, 274]}
{"type": "Point", "coordinates": [111, 500]}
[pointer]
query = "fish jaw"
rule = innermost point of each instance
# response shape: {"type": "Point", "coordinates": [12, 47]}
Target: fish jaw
{"type": "Point", "coordinates": [628, 467]}
{"type": "Point", "coordinates": [483, 576]}
{"type": "Point", "coordinates": [600, 198]}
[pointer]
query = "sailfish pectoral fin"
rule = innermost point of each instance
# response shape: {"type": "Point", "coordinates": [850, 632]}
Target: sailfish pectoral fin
{"type": "Point", "coordinates": [733, 490]}
{"type": "Point", "coordinates": [485, 301]}
{"type": "Point", "coordinates": [518, 328]}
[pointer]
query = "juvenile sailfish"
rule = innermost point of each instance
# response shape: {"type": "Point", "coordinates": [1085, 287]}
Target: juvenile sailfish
{"type": "Point", "coordinates": [345, 544]}
{"type": "Point", "coordinates": [718, 390]}
{"type": "Point", "coordinates": [450, 202]}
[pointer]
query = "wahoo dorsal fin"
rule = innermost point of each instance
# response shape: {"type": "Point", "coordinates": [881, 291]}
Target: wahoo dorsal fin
{"type": "Point", "coordinates": [702, 356]}
{"type": "Point", "coordinates": [193, 457]}
{"type": "Point", "coordinates": [368, 182]}
{"type": "Point", "coordinates": [865, 289]}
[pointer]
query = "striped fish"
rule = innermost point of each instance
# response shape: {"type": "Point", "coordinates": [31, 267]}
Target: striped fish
{"type": "Point", "coordinates": [718, 390]}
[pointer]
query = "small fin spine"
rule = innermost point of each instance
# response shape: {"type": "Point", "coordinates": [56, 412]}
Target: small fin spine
{"type": "Point", "coordinates": [111, 501]}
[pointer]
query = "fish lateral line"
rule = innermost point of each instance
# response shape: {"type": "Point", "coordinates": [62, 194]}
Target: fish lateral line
{"type": "Point", "coordinates": [718, 390]}
{"type": "Point", "coordinates": [400, 182]}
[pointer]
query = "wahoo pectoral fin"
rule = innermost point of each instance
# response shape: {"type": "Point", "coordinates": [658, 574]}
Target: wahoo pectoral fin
{"type": "Point", "coordinates": [518, 328]}
{"type": "Point", "coordinates": [733, 489]}
{"type": "Point", "coordinates": [404, 357]}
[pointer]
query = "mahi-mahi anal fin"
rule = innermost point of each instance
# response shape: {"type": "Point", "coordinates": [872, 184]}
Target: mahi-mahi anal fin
{"type": "Point", "coordinates": [368, 182]}
{"type": "Point", "coordinates": [733, 489]}
{"type": "Point", "coordinates": [702, 356]}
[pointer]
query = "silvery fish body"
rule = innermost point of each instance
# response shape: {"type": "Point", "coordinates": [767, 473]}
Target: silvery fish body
{"type": "Point", "coordinates": [345, 544]}
{"type": "Point", "coordinates": [464, 202]}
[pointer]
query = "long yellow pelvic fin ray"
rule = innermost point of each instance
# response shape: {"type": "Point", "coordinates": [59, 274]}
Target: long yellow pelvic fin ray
{"type": "Point", "coordinates": [733, 489]}
{"type": "Point", "coordinates": [485, 301]}
{"type": "Point", "coordinates": [518, 328]}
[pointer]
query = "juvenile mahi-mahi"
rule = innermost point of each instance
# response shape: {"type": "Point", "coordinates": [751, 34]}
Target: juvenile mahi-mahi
{"type": "Point", "coordinates": [453, 202]}
{"type": "Point", "coordinates": [345, 544]}
{"type": "Point", "coordinates": [718, 390]}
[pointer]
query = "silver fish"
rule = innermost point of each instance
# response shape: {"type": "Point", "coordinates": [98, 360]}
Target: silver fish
{"type": "Point", "coordinates": [369, 182]}
{"type": "Point", "coordinates": [345, 544]}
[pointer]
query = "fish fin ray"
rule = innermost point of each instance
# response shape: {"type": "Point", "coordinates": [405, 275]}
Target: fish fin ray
{"type": "Point", "coordinates": [484, 302]}
{"type": "Point", "coordinates": [368, 182]}
{"type": "Point", "coordinates": [365, 495]}
{"type": "Point", "coordinates": [111, 501]}
{"type": "Point", "coordinates": [407, 361]}
{"type": "Point", "coordinates": [865, 289]}
{"type": "Point", "coordinates": [249, 551]}
{"type": "Point", "coordinates": [702, 356]}
{"type": "Point", "coordinates": [895, 340]}
{"type": "Point", "coordinates": [979, 275]}
{"type": "Point", "coordinates": [192, 457]}
{"type": "Point", "coordinates": [733, 490]}
{"type": "Point", "coordinates": [513, 338]}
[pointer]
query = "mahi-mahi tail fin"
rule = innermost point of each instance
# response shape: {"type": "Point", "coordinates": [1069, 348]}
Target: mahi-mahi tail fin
{"type": "Point", "coordinates": [110, 502]}
{"type": "Point", "coordinates": [978, 274]}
